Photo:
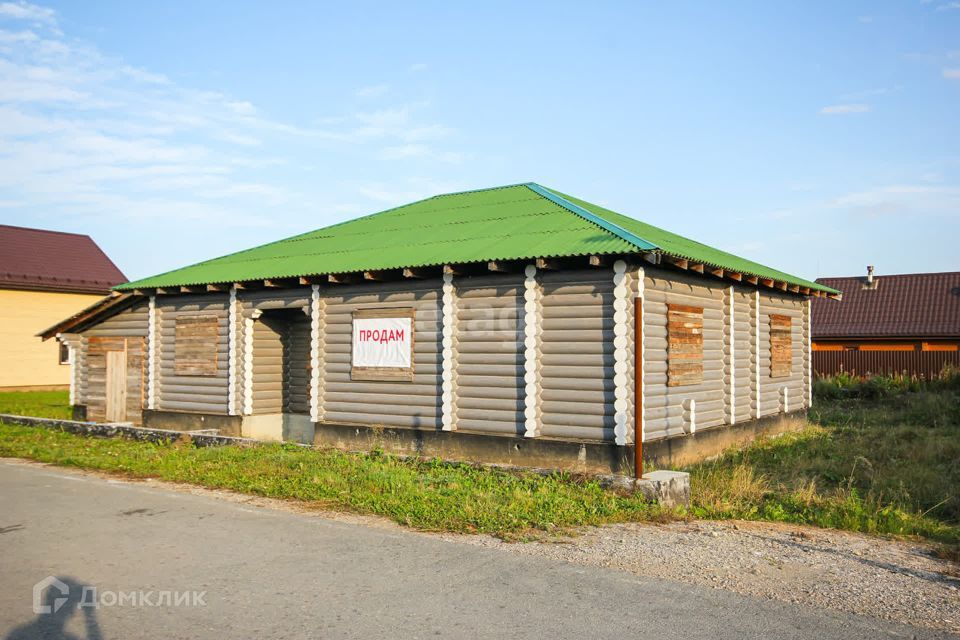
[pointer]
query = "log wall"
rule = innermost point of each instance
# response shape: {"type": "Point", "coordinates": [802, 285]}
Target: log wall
{"type": "Point", "coordinates": [663, 404]}
{"type": "Point", "coordinates": [130, 322]}
{"type": "Point", "coordinates": [770, 386]}
{"type": "Point", "coordinates": [577, 362]}
{"type": "Point", "coordinates": [201, 394]}
{"type": "Point", "coordinates": [402, 404]}
{"type": "Point", "coordinates": [489, 354]}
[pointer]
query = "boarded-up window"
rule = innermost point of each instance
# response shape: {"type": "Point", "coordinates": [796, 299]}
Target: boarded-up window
{"type": "Point", "coordinates": [685, 348]}
{"type": "Point", "coordinates": [195, 350]}
{"type": "Point", "coordinates": [781, 346]}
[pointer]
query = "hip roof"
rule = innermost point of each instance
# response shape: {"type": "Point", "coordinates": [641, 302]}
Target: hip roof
{"type": "Point", "coordinates": [515, 222]}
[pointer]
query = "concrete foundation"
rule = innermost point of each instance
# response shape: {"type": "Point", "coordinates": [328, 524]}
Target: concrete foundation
{"type": "Point", "coordinates": [279, 427]}
{"type": "Point", "coordinates": [691, 448]}
{"type": "Point", "coordinates": [567, 455]}
{"type": "Point", "coordinates": [183, 421]}
{"type": "Point", "coordinates": [545, 453]}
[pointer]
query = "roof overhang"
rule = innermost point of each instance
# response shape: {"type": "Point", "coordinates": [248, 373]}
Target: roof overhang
{"type": "Point", "coordinates": [547, 263]}
{"type": "Point", "coordinates": [98, 311]}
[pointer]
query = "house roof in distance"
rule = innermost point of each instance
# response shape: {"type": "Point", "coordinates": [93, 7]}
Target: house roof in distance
{"type": "Point", "coordinates": [515, 222]}
{"type": "Point", "coordinates": [913, 305]}
{"type": "Point", "coordinates": [54, 261]}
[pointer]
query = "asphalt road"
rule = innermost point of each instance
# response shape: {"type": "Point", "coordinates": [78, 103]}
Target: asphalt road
{"type": "Point", "coordinates": [274, 574]}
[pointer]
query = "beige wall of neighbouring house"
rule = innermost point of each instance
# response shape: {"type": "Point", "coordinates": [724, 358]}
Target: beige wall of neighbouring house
{"type": "Point", "coordinates": [25, 360]}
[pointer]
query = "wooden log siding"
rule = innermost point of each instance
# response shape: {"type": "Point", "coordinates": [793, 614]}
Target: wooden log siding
{"type": "Point", "coordinates": [97, 349]}
{"type": "Point", "coordinates": [807, 354]}
{"type": "Point", "coordinates": [281, 361]}
{"type": "Point", "coordinates": [663, 404]}
{"type": "Point", "coordinates": [267, 366]}
{"type": "Point", "coordinates": [685, 346]}
{"type": "Point", "coordinates": [578, 354]}
{"type": "Point", "coordinates": [128, 323]}
{"type": "Point", "coordinates": [781, 346]}
{"type": "Point", "coordinates": [195, 345]}
{"type": "Point", "coordinates": [743, 356]}
{"type": "Point", "coordinates": [296, 362]}
{"type": "Point", "coordinates": [771, 386]}
{"type": "Point", "coordinates": [191, 393]}
{"type": "Point", "coordinates": [403, 404]}
{"type": "Point", "coordinates": [490, 373]}
{"type": "Point", "coordinates": [292, 301]}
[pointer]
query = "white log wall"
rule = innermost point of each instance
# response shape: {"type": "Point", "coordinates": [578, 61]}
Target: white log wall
{"type": "Point", "coordinates": [663, 405]}
{"type": "Point", "coordinates": [770, 387]}
{"type": "Point", "coordinates": [489, 367]}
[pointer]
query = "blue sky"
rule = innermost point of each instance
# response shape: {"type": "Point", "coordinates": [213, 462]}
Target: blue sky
{"type": "Point", "coordinates": [814, 137]}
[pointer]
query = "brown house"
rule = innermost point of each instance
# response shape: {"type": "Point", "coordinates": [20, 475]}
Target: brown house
{"type": "Point", "coordinates": [888, 324]}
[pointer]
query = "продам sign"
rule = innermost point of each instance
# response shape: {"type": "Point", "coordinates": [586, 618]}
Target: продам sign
{"type": "Point", "coordinates": [382, 344]}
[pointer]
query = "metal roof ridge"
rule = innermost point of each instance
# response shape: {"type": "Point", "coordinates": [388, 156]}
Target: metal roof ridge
{"type": "Point", "coordinates": [603, 223]}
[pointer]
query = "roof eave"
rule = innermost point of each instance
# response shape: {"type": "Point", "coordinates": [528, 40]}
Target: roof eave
{"type": "Point", "coordinates": [99, 310]}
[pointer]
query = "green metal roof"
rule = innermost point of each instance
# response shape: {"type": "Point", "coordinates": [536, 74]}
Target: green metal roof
{"type": "Point", "coordinates": [514, 222]}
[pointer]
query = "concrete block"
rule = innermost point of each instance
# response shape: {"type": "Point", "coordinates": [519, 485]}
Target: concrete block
{"type": "Point", "coordinates": [668, 488]}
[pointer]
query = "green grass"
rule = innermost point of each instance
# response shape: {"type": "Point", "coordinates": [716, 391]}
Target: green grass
{"type": "Point", "coordinates": [872, 462]}
{"type": "Point", "coordinates": [428, 495]}
{"type": "Point", "coordinates": [882, 465]}
{"type": "Point", "coordinates": [43, 404]}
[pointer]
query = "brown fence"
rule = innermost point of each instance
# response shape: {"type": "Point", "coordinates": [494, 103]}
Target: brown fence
{"type": "Point", "coordinates": [913, 363]}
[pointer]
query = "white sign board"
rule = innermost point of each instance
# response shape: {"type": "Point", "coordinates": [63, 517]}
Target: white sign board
{"type": "Point", "coordinates": [383, 343]}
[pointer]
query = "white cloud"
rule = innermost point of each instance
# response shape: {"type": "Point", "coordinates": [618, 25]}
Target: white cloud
{"type": "Point", "coordinates": [948, 6]}
{"type": "Point", "coordinates": [844, 109]}
{"type": "Point", "coordinates": [951, 74]}
{"type": "Point", "coordinates": [27, 11]}
{"type": "Point", "coordinates": [902, 200]}
{"type": "Point", "coordinates": [418, 67]}
{"type": "Point", "coordinates": [88, 136]}
{"type": "Point", "coordinates": [372, 91]}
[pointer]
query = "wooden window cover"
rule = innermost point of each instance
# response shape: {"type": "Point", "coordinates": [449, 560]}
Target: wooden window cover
{"type": "Point", "coordinates": [781, 345]}
{"type": "Point", "coordinates": [195, 345]}
{"type": "Point", "coordinates": [388, 374]}
{"type": "Point", "coordinates": [685, 345]}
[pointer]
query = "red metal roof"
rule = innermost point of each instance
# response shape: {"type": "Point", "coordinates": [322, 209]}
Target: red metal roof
{"type": "Point", "coordinates": [54, 261]}
{"type": "Point", "coordinates": [914, 305]}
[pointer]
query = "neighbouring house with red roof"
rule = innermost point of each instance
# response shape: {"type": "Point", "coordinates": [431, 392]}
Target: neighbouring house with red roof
{"type": "Point", "coordinates": [45, 276]}
{"type": "Point", "coordinates": [888, 324]}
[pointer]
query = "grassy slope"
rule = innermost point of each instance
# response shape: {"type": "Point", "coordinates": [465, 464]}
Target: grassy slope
{"type": "Point", "coordinates": [876, 466]}
{"type": "Point", "coordinates": [882, 463]}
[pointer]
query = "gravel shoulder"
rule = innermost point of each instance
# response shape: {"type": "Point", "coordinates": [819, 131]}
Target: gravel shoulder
{"type": "Point", "coordinates": [893, 580]}
{"type": "Point", "coordinates": [887, 579]}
